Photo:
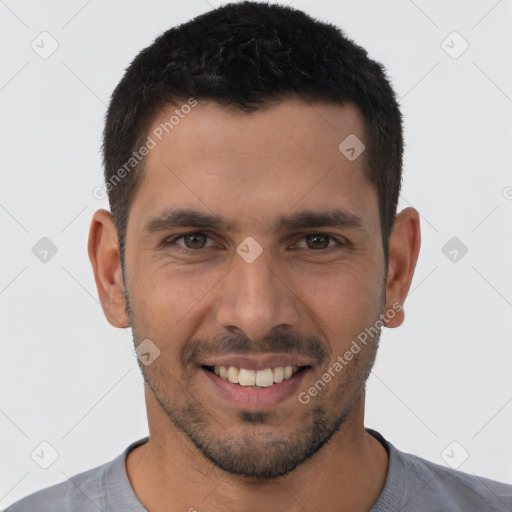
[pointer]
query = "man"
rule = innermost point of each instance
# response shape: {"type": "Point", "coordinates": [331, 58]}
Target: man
{"type": "Point", "coordinates": [253, 164]}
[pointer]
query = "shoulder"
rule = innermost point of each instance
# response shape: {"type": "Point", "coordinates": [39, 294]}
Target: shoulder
{"type": "Point", "coordinates": [95, 489]}
{"type": "Point", "coordinates": [80, 492]}
{"type": "Point", "coordinates": [414, 483]}
{"type": "Point", "coordinates": [468, 491]}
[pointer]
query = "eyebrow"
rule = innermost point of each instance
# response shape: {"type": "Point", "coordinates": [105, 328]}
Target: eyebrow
{"type": "Point", "coordinates": [180, 218]}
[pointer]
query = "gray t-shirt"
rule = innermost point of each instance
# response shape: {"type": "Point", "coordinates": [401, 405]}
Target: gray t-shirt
{"type": "Point", "coordinates": [412, 484]}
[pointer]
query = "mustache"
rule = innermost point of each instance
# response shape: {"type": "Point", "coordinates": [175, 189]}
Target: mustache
{"type": "Point", "coordinates": [282, 342]}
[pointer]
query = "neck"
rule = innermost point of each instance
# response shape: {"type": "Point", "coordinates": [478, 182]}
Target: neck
{"type": "Point", "coordinates": [168, 473]}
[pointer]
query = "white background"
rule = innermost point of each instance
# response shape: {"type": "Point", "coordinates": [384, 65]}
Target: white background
{"type": "Point", "coordinates": [69, 378]}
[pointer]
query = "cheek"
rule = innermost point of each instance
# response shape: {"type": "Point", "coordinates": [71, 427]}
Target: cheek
{"type": "Point", "coordinates": [166, 299]}
{"type": "Point", "coordinates": [344, 300]}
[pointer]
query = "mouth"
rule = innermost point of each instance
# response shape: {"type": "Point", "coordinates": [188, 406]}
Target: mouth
{"type": "Point", "coordinates": [254, 382]}
{"type": "Point", "coordinates": [256, 379]}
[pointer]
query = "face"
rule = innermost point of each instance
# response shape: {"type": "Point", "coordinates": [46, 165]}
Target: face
{"type": "Point", "coordinates": [253, 251]}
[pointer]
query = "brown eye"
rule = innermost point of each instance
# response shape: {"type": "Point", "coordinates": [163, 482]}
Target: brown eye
{"type": "Point", "coordinates": [318, 241]}
{"type": "Point", "coordinates": [195, 240]}
{"type": "Point", "coordinates": [190, 242]}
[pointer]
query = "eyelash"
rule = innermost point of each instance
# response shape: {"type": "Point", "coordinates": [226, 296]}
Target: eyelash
{"type": "Point", "coordinates": [171, 241]}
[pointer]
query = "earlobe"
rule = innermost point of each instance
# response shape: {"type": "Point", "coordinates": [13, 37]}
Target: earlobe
{"type": "Point", "coordinates": [404, 246]}
{"type": "Point", "coordinates": [103, 249]}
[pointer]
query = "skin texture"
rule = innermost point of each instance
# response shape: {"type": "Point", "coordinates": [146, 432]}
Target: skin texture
{"type": "Point", "coordinates": [295, 297]}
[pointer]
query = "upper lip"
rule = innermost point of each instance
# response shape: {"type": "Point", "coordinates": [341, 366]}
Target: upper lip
{"type": "Point", "coordinates": [257, 361]}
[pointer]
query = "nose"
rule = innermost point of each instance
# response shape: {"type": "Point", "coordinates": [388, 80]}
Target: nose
{"type": "Point", "coordinates": [256, 298]}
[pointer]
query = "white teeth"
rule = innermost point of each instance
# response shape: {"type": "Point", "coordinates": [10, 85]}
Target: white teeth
{"type": "Point", "coordinates": [264, 378]}
{"type": "Point", "coordinates": [232, 374]}
{"type": "Point", "coordinates": [261, 378]}
{"type": "Point", "coordinates": [278, 374]}
{"type": "Point", "coordinates": [247, 377]}
{"type": "Point", "coordinates": [223, 372]}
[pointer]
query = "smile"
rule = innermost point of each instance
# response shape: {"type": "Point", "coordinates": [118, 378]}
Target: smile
{"type": "Point", "coordinates": [254, 378]}
{"type": "Point", "coordinates": [246, 393]}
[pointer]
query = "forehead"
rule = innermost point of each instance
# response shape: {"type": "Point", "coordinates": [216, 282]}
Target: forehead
{"type": "Point", "coordinates": [299, 128]}
{"type": "Point", "coordinates": [255, 166]}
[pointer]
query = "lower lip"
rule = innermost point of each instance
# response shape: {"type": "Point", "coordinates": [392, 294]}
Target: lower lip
{"type": "Point", "coordinates": [255, 399]}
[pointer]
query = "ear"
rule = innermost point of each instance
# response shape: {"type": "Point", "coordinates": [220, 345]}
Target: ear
{"type": "Point", "coordinates": [103, 248]}
{"type": "Point", "coordinates": [404, 247]}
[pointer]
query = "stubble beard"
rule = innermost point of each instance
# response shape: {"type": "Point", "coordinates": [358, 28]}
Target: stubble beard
{"type": "Point", "coordinates": [261, 453]}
